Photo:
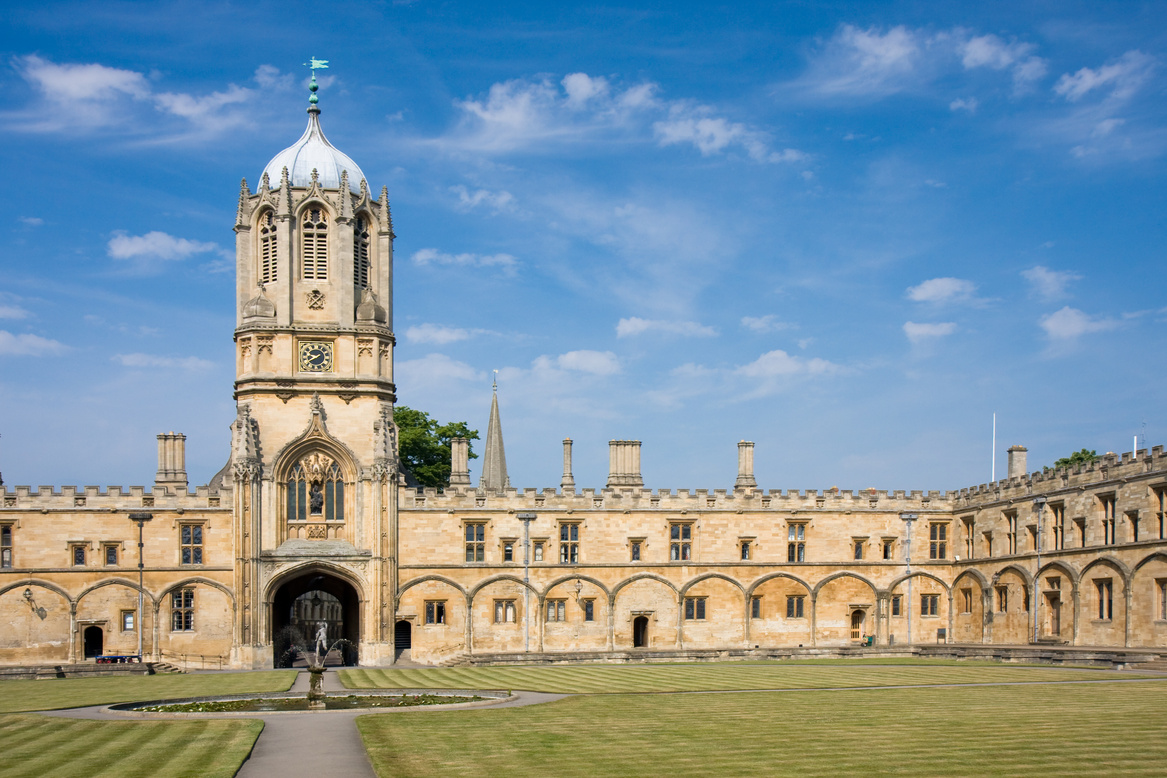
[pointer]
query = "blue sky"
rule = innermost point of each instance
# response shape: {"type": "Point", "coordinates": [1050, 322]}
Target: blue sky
{"type": "Point", "coordinates": [850, 232]}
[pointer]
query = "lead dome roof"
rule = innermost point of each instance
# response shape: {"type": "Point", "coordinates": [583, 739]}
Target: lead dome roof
{"type": "Point", "coordinates": [314, 152]}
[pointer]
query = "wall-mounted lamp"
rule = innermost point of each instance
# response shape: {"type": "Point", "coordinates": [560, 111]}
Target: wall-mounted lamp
{"type": "Point", "coordinates": [38, 610]}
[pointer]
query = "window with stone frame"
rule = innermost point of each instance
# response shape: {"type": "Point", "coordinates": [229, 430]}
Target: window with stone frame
{"type": "Point", "coordinates": [435, 612]}
{"type": "Point", "coordinates": [1132, 518]}
{"type": "Point", "coordinates": [77, 552]}
{"type": "Point", "coordinates": [695, 609]}
{"type": "Point", "coordinates": [1080, 525]}
{"type": "Point", "coordinates": [361, 263]}
{"type": "Point", "coordinates": [128, 620]}
{"type": "Point", "coordinates": [314, 245]}
{"type": "Point", "coordinates": [680, 541]}
{"type": "Point", "coordinates": [192, 544]}
{"type": "Point", "coordinates": [1002, 598]}
{"type": "Point", "coordinates": [109, 553]}
{"type": "Point", "coordinates": [1161, 605]}
{"type": "Point", "coordinates": [268, 248]}
{"type": "Point", "coordinates": [1161, 510]}
{"type": "Point", "coordinates": [796, 542]}
{"type": "Point", "coordinates": [315, 489]}
{"type": "Point", "coordinates": [1011, 532]}
{"type": "Point", "coordinates": [475, 534]}
{"type": "Point", "coordinates": [569, 542]}
{"type": "Point", "coordinates": [1058, 525]}
{"type": "Point", "coordinates": [889, 546]}
{"type": "Point", "coordinates": [857, 545]}
{"type": "Point", "coordinates": [508, 550]}
{"type": "Point", "coordinates": [744, 548]}
{"type": "Point", "coordinates": [557, 610]}
{"type": "Point", "coordinates": [1105, 589]}
{"type": "Point", "coordinates": [504, 611]}
{"type": "Point", "coordinates": [970, 537]}
{"type": "Point", "coordinates": [896, 605]}
{"type": "Point", "coordinates": [938, 540]}
{"type": "Point", "coordinates": [796, 606]}
{"type": "Point", "coordinates": [966, 596]}
{"type": "Point", "coordinates": [537, 550]}
{"type": "Point", "coordinates": [5, 545]}
{"type": "Point", "coordinates": [634, 548]}
{"type": "Point", "coordinates": [589, 608]}
{"type": "Point", "coordinates": [755, 607]}
{"type": "Point", "coordinates": [1108, 519]}
{"type": "Point", "coordinates": [929, 604]}
{"type": "Point", "coordinates": [182, 610]}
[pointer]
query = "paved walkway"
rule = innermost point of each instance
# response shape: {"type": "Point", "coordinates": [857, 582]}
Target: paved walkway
{"type": "Point", "coordinates": [311, 744]}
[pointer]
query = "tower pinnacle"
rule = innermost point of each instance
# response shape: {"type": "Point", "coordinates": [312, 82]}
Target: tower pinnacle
{"type": "Point", "coordinates": [494, 460]}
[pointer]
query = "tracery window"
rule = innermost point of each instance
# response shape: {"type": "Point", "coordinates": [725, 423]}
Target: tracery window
{"type": "Point", "coordinates": [314, 245]}
{"type": "Point", "coordinates": [268, 253]}
{"type": "Point", "coordinates": [316, 489]}
{"type": "Point", "coordinates": [361, 262]}
{"type": "Point", "coordinates": [182, 610]}
{"type": "Point", "coordinates": [6, 545]}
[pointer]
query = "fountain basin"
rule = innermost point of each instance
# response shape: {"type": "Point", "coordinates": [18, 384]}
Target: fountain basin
{"type": "Point", "coordinates": [294, 702]}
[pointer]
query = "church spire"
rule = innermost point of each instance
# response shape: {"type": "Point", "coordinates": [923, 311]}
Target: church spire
{"type": "Point", "coordinates": [494, 461]}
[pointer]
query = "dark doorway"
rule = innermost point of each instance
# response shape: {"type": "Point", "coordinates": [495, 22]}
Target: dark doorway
{"type": "Point", "coordinates": [304, 603]}
{"type": "Point", "coordinates": [94, 641]}
{"type": "Point", "coordinates": [640, 632]}
{"type": "Point", "coordinates": [403, 635]}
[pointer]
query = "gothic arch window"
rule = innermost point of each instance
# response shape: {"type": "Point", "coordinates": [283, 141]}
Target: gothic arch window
{"type": "Point", "coordinates": [314, 245]}
{"type": "Point", "coordinates": [361, 264]}
{"type": "Point", "coordinates": [268, 252]}
{"type": "Point", "coordinates": [315, 490]}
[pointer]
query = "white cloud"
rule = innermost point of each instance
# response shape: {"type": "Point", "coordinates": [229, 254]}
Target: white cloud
{"type": "Point", "coordinates": [32, 221]}
{"type": "Point", "coordinates": [696, 124]}
{"type": "Point", "coordinates": [434, 371]}
{"type": "Point", "coordinates": [992, 52]}
{"type": "Point", "coordinates": [12, 312]}
{"type": "Point", "coordinates": [586, 361]}
{"type": "Point", "coordinates": [1122, 77]}
{"type": "Point", "coordinates": [634, 325]}
{"type": "Point", "coordinates": [427, 256]}
{"type": "Point", "coordinates": [270, 77]}
{"type": "Point", "coordinates": [964, 104]}
{"type": "Point", "coordinates": [940, 290]}
{"type": "Point", "coordinates": [581, 88]}
{"type": "Point", "coordinates": [29, 345]}
{"type": "Point", "coordinates": [918, 333]}
{"type": "Point", "coordinates": [468, 200]}
{"type": "Point", "coordinates": [436, 333]}
{"type": "Point", "coordinates": [71, 83]}
{"type": "Point", "coordinates": [1049, 284]}
{"type": "Point", "coordinates": [767, 323]}
{"type": "Point", "coordinates": [778, 363]}
{"type": "Point", "coordinates": [141, 251]}
{"type": "Point", "coordinates": [153, 361]}
{"type": "Point", "coordinates": [1068, 324]}
{"type": "Point", "coordinates": [868, 63]}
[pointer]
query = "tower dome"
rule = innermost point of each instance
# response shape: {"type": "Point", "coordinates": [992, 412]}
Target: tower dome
{"type": "Point", "coordinates": [314, 152]}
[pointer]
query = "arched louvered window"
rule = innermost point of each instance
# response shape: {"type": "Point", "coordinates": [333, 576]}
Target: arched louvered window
{"type": "Point", "coordinates": [360, 252]}
{"type": "Point", "coordinates": [267, 248]}
{"type": "Point", "coordinates": [315, 490]}
{"type": "Point", "coordinates": [314, 245]}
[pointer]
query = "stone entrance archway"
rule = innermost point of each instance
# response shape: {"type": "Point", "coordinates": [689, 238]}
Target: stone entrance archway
{"type": "Point", "coordinates": [302, 603]}
{"type": "Point", "coordinates": [93, 642]}
{"type": "Point", "coordinates": [640, 632]}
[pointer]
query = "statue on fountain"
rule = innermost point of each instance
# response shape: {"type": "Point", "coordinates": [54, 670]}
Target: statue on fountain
{"type": "Point", "coordinates": [321, 642]}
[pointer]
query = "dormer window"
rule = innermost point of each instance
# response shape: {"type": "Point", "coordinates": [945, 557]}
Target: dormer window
{"type": "Point", "coordinates": [314, 245]}
{"type": "Point", "coordinates": [267, 248]}
{"type": "Point", "coordinates": [361, 264]}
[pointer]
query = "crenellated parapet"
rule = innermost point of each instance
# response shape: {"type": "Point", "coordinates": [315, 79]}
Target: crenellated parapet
{"type": "Point", "coordinates": [115, 498]}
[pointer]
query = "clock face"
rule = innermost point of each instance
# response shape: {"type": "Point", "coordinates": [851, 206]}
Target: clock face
{"type": "Point", "coordinates": [315, 357]}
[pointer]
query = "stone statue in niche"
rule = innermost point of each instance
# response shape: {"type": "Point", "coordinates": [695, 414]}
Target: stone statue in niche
{"type": "Point", "coordinates": [316, 499]}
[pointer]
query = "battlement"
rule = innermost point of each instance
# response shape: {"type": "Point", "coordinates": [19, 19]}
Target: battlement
{"type": "Point", "coordinates": [114, 498]}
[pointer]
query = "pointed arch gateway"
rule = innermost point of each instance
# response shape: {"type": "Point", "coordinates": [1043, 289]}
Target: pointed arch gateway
{"type": "Point", "coordinates": [307, 599]}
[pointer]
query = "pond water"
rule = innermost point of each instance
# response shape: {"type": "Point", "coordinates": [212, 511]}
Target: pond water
{"type": "Point", "coordinates": [332, 702]}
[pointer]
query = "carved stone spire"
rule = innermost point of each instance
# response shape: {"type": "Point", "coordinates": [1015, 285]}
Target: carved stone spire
{"type": "Point", "coordinates": [494, 460]}
{"type": "Point", "coordinates": [346, 199]}
{"type": "Point", "coordinates": [244, 210]}
{"type": "Point", "coordinates": [284, 200]}
{"type": "Point", "coordinates": [386, 220]}
{"type": "Point", "coordinates": [245, 443]}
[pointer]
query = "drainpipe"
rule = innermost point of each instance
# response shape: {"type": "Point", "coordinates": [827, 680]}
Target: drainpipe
{"type": "Point", "coordinates": [526, 518]}
{"type": "Point", "coordinates": [909, 518]}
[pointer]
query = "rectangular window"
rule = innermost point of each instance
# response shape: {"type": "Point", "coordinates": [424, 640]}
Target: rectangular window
{"type": "Point", "coordinates": [111, 555]}
{"type": "Point", "coordinates": [589, 610]}
{"type": "Point", "coordinates": [966, 595]}
{"type": "Point", "coordinates": [508, 552]}
{"type": "Point", "coordinates": [970, 538]}
{"type": "Point", "coordinates": [895, 604]}
{"type": "Point", "coordinates": [858, 549]}
{"type": "Point", "coordinates": [569, 543]}
{"type": "Point", "coordinates": [1107, 519]}
{"type": "Point", "coordinates": [888, 549]}
{"type": "Point", "coordinates": [1133, 518]}
{"type": "Point", "coordinates": [1011, 533]}
{"type": "Point", "coordinates": [1025, 599]}
{"type": "Point", "coordinates": [192, 544]}
{"type": "Point", "coordinates": [5, 545]}
{"type": "Point", "coordinates": [929, 604]}
{"type": "Point", "coordinates": [1161, 586]}
{"type": "Point", "coordinates": [634, 550]}
{"type": "Point", "coordinates": [78, 555]}
{"type": "Point", "coordinates": [938, 541]}
{"type": "Point", "coordinates": [1161, 513]}
{"type": "Point", "coordinates": [794, 607]}
{"type": "Point", "coordinates": [755, 607]}
{"type": "Point", "coordinates": [435, 612]}
{"type": "Point", "coordinates": [557, 610]}
{"type": "Point", "coordinates": [128, 621]}
{"type": "Point", "coordinates": [1081, 526]}
{"type": "Point", "coordinates": [680, 542]}
{"type": "Point", "coordinates": [1002, 599]}
{"type": "Point", "coordinates": [182, 610]}
{"type": "Point", "coordinates": [745, 550]}
{"type": "Point", "coordinates": [796, 545]}
{"type": "Point", "coordinates": [1105, 598]}
{"type": "Point", "coordinates": [538, 554]}
{"type": "Point", "coordinates": [694, 609]}
{"type": "Point", "coordinates": [475, 542]}
{"type": "Point", "coordinates": [504, 611]}
{"type": "Point", "coordinates": [1059, 525]}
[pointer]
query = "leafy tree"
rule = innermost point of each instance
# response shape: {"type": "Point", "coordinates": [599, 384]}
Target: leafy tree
{"type": "Point", "coordinates": [424, 444]}
{"type": "Point", "coordinates": [1083, 457]}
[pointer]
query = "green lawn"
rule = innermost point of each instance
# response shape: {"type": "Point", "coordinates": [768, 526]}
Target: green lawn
{"type": "Point", "coordinates": [729, 676]}
{"type": "Point", "coordinates": [1042, 729]}
{"type": "Point", "coordinates": [59, 693]}
{"type": "Point", "coordinates": [40, 746]}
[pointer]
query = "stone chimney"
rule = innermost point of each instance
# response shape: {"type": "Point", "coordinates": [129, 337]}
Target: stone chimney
{"type": "Point", "coordinates": [568, 481]}
{"type": "Point", "coordinates": [171, 461]}
{"type": "Point", "coordinates": [624, 463]}
{"type": "Point", "coordinates": [745, 466]}
{"type": "Point", "coordinates": [1017, 466]}
{"type": "Point", "coordinates": [459, 462]}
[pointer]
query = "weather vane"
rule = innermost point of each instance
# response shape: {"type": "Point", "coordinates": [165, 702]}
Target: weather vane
{"type": "Point", "coordinates": [315, 64]}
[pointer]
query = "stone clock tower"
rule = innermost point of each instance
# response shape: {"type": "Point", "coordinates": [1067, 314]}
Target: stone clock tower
{"type": "Point", "coordinates": [313, 446]}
